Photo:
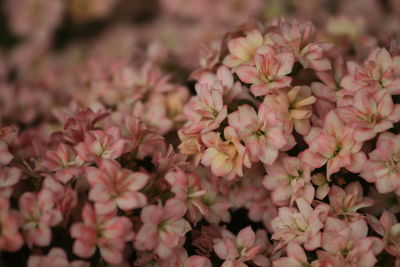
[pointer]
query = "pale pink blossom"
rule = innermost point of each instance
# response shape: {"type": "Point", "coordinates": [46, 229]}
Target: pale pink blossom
{"type": "Point", "coordinates": [163, 228]}
{"type": "Point", "coordinates": [301, 225]}
{"type": "Point", "coordinates": [113, 187]}
{"type": "Point", "coordinates": [296, 257]}
{"type": "Point", "coordinates": [65, 197]}
{"type": "Point", "coordinates": [231, 89]}
{"type": "Point", "coordinates": [269, 72]}
{"type": "Point", "coordinates": [236, 250]}
{"type": "Point", "coordinates": [10, 238]}
{"type": "Point", "coordinates": [144, 141]}
{"type": "Point", "coordinates": [206, 110]}
{"type": "Point", "coordinates": [180, 258]}
{"type": "Point", "coordinates": [298, 38]}
{"type": "Point", "coordinates": [345, 202]}
{"type": "Point", "coordinates": [103, 144]}
{"type": "Point", "coordinates": [39, 213]}
{"type": "Point", "coordinates": [389, 229]}
{"type": "Point", "coordinates": [288, 179]}
{"type": "Point", "coordinates": [63, 162]}
{"type": "Point", "coordinates": [109, 233]}
{"type": "Point", "coordinates": [225, 158]}
{"type": "Point", "coordinates": [191, 143]}
{"type": "Point", "coordinates": [57, 258]}
{"type": "Point", "coordinates": [293, 107]}
{"type": "Point", "coordinates": [9, 177]}
{"type": "Point", "coordinates": [187, 187]}
{"type": "Point", "coordinates": [379, 71]}
{"type": "Point", "coordinates": [370, 114]}
{"type": "Point", "coordinates": [243, 49]}
{"type": "Point", "coordinates": [5, 155]}
{"type": "Point", "coordinates": [261, 132]}
{"type": "Point", "coordinates": [383, 165]}
{"type": "Point", "coordinates": [348, 242]}
{"type": "Point", "coordinates": [333, 145]}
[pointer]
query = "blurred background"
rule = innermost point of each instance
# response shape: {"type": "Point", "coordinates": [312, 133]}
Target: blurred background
{"type": "Point", "coordinates": [54, 51]}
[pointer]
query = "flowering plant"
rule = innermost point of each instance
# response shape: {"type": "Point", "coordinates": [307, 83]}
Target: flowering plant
{"type": "Point", "coordinates": [281, 148]}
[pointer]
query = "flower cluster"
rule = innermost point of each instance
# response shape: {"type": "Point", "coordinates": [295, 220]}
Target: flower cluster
{"type": "Point", "coordinates": [280, 148]}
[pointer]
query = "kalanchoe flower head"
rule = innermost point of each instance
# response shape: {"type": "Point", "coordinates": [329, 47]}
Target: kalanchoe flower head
{"type": "Point", "coordinates": [5, 155]}
{"type": "Point", "coordinates": [226, 158]}
{"type": "Point", "coordinates": [370, 114]}
{"type": "Point", "coordinates": [379, 71]}
{"type": "Point", "coordinates": [103, 144]}
{"type": "Point", "coordinates": [269, 72]}
{"type": "Point", "coordinates": [57, 258]}
{"type": "Point", "coordinates": [113, 186]}
{"type": "Point", "coordinates": [10, 238]}
{"type": "Point", "coordinates": [389, 229]}
{"type": "Point", "coordinates": [63, 161]}
{"type": "Point", "coordinates": [301, 225]}
{"type": "Point", "coordinates": [243, 49]}
{"type": "Point", "coordinates": [289, 179]}
{"type": "Point", "coordinates": [231, 89]}
{"type": "Point", "coordinates": [39, 214]}
{"type": "Point", "coordinates": [163, 228]}
{"type": "Point", "coordinates": [187, 187]}
{"type": "Point", "coordinates": [349, 244]}
{"type": "Point", "coordinates": [296, 257]}
{"type": "Point", "coordinates": [298, 38]}
{"type": "Point", "coordinates": [333, 145]}
{"type": "Point", "coordinates": [345, 203]}
{"type": "Point", "coordinates": [383, 165]}
{"type": "Point", "coordinates": [293, 107]}
{"type": "Point", "coordinates": [76, 126]}
{"type": "Point", "coordinates": [236, 250]}
{"type": "Point", "coordinates": [206, 111]}
{"type": "Point", "coordinates": [9, 177]}
{"type": "Point", "coordinates": [109, 233]}
{"type": "Point", "coordinates": [262, 132]}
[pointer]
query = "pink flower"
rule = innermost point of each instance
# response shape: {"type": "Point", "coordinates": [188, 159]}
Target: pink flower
{"type": "Point", "coordinates": [63, 161]}
{"type": "Point", "coordinates": [206, 111]}
{"type": "Point", "coordinates": [389, 229]}
{"type": "Point", "coordinates": [57, 258]}
{"type": "Point", "coordinates": [383, 165]}
{"type": "Point", "coordinates": [288, 180]}
{"type": "Point", "coordinates": [349, 242]}
{"type": "Point", "coordinates": [112, 186]}
{"type": "Point", "coordinates": [191, 143]}
{"type": "Point", "coordinates": [301, 225]}
{"type": "Point", "coordinates": [345, 203]}
{"type": "Point", "coordinates": [269, 72]}
{"type": "Point", "coordinates": [261, 132]}
{"type": "Point", "coordinates": [180, 258]}
{"type": "Point", "coordinates": [335, 145]}
{"type": "Point", "coordinates": [236, 250]}
{"type": "Point", "coordinates": [243, 49]}
{"type": "Point", "coordinates": [187, 188]}
{"type": "Point", "coordinates": [5, 155]}
{"type": "Point", "coordinates": [109, 233]}
{"type": "Point", "coordinates": [9, 177]}
{"type": "Point", "coordinates": [145, 141]}
{"type": "Point", "coordinates": [379, 71]}
{"type": "Point", "coordinates": [103, 144]}
{"type": "Point", "coordinates": [163, 228]}
{"type": "Point", "coordinates": [231, 89]}
{"type": "Point", "coordinates": [370, 114]}
{"type": "Point", "coordinates": [39, 214]}
{"type": "Point", "coordinates": [226, 158]}
{"type": "Point", "coordinates": [298, 38]}
{"type": "Point", "coordinates": [296, 257]}
{"type": "Point", "coordinates": [293, 107]}
{"type": "Point", "coordinates": [10, 238]}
